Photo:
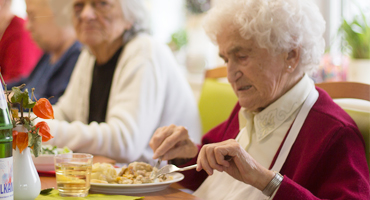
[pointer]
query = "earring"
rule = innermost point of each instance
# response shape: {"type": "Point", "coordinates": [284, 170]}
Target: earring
{"type": "Point", "coordinates": [238, 73]}
{"type": "Point", "coordinates": [290, 67]}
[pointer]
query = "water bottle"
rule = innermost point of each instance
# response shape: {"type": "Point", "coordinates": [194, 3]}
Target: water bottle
{"type": "Point", "coordinates": [6, 156]}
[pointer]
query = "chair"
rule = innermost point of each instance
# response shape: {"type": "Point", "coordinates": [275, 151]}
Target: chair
{"type": "Point", "coordinates": [219, 72]}
{"type": "Point", "coordinates": [354, 98]}
{"type": "Point", "coordinates": [217, 99]}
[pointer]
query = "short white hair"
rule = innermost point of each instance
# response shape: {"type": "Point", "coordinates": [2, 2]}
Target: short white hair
{"type": "Point", "coordinates": [135, 12]}
{"type": "Point", "coordinates": [277, 25]}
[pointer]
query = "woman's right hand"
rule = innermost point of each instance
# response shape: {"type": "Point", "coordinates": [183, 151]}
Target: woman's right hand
{"type": "Point", "coordinates": [172, 142]}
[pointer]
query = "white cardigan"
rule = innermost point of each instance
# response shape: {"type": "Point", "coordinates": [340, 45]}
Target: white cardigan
{"type": "Point", "coordinates": [148, 91]}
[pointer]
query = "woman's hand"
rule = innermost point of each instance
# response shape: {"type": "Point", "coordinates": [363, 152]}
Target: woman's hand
{"type": "Point", "coordinates": [172, 142]}
{"type": "Point", "coordinates": [241, 166]}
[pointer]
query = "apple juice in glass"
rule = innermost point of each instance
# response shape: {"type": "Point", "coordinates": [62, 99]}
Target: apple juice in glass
{"type": "Point", "coordinates": [73, 173]}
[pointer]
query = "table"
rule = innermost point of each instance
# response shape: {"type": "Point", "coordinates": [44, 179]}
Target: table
{"type": "Point", "coordinates": [169, 193]}
{"type": "Point", "coordinates": [103, 159]}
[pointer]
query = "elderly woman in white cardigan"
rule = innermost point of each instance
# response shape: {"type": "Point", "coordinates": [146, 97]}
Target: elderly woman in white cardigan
{"type": "Point", "coordinates": [125, 85]}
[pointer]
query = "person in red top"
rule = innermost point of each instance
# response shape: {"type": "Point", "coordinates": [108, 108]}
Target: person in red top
{"type": "Point", "coordinates": [285, 139]}
{"type": "Point", "coordinates": [18, 52]}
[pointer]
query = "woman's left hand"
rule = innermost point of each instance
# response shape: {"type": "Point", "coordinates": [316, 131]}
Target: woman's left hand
{"type": "Point", "coordinates": [241, 166]}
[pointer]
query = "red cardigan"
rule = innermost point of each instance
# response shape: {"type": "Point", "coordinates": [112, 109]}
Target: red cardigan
{"type": "Point", "coordinates": [327, 160]}
{"type": "Point", "coordinates": [18, 52]}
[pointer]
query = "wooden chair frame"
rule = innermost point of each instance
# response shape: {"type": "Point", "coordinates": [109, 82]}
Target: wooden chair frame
{"type": "Point", "coordinates": [346, 90]}
{"type": "Point", "coordinates": [219, 72]}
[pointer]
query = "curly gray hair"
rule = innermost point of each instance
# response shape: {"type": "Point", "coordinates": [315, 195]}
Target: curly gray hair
{"type": "Point", "coordinates": [277, 25]}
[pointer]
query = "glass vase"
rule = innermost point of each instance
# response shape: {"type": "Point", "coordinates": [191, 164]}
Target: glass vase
{"type": "Point", "coordinates": [26, 182]}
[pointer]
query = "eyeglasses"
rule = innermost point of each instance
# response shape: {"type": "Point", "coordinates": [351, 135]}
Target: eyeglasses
{"type": "Point", "coordinates": [33, 18]}
{"type": "Point", "coordinates": [99, 6]}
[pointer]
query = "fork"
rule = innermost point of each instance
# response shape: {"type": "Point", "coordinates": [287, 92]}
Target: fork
{"type": "Point", "coordinates": [154, 173]}
{"type": "Point", "coordinates": [172, 168]}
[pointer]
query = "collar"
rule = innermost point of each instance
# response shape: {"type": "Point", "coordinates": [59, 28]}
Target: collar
{"type": "Point", "coordinates": [268, 120]}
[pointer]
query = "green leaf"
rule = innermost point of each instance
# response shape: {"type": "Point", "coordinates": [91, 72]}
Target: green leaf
{"type": "Point", "coordinates": [18, 95]}
{"type": "Point", "coordinates": [37, 145]}
{"type": "Point", "coordinates": [23, 97]}
{"type": "Point", "coordinates": [27, 102]}
{"type": "Point", "coordinates": [357, 36]}
{"type": "Point", "coordinates": [27, 125]}
{"type": "Point", "coordinates": [46, 191]}
{"type": "Point", "coordinates": [34, 139]}
{"type": "Point", "coordinates": [30, 139]}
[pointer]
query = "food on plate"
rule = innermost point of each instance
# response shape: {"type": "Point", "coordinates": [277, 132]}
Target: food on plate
{"type": "Point", "coordinates": [103, 173]}
{"type": "Point", "coordinates": [53, 150]}
{"type": "Point", "coordinates": [134, 173]}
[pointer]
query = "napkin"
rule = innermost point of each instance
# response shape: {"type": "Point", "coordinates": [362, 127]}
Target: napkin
{"type": "Point", "coordinates": [54, 195]}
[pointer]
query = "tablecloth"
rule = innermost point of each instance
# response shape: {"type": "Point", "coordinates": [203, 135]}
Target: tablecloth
{"type": "Point", "coordinates": [54, 195]}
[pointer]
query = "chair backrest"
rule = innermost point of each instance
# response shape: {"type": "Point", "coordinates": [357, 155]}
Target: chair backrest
{"type": "Point", "coordinates": [217, 99]}
{"type": "Point", "coordinates": [346, 90]}
{"type": "Point", "coordinates": [219, 72]}
{"type": "Point", "coordinates": [354, 98]}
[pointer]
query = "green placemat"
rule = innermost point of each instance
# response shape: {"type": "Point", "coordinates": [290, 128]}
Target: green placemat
{"type": "Point", "coordinates": [54, 195]}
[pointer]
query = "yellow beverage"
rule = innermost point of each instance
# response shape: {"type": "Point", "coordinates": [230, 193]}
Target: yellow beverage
{"type": "Point", "coordinates": [73, 178]}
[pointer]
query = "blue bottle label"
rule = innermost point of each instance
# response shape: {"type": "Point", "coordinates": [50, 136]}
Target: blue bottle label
{"type": "Point", "coordinates": [6, 177]}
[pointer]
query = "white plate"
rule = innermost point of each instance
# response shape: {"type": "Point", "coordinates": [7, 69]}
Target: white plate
{"type": "Point", "coordinates": [44, 162]}
{"type": "Point", "coordinates": [134, 188]}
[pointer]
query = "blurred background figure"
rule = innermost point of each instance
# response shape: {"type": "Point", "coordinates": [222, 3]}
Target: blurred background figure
{"type": "Point", "coordinates": [18, 53]}
{"type": "Point", "coordinates": [124, 86]}
{"type": "Point", "coordinates": [53, 31]}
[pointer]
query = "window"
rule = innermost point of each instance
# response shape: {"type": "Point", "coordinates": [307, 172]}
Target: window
{"type": "Point", "coordinates": [335, 64]}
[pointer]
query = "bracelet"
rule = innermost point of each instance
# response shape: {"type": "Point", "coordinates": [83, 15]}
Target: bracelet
{"type": "Point", "coordinates": [273, 184]}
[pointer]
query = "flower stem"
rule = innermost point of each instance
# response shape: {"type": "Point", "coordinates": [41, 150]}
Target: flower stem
{"type": "Point", "coordinates": [32, 95]}
{"type": "Point", "coordinates": [21, 107]}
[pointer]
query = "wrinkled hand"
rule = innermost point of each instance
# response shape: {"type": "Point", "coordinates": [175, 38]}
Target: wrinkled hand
{"type": "Point", "coordinates": [172, 142]}
{"type": "Point", "coordinates": [242, 166]}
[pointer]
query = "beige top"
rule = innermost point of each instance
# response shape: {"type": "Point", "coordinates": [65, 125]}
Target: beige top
{"type": "Point", "coordinates": [148, 91]}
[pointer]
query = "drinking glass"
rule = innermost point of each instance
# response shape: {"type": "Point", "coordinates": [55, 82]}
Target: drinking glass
{"type": "Point", "coordinates": [73, 171]}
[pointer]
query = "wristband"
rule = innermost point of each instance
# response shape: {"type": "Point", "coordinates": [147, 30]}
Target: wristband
{"type": "Point", "coordinates": [273, 184]}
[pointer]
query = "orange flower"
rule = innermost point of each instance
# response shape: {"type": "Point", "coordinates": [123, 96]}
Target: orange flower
{"type": "Point", "coordinates": [43, 109]}
{"type": "Point", "coordinates": [15, 134]}
{"type": "Point", "coordinates": [21, 141]}
{"type": "Point", "coordinates": [44, 131]}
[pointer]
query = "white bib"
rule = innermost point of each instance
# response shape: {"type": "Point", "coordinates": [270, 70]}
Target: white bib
{"type": "Point", "coordinates": [239, 190]}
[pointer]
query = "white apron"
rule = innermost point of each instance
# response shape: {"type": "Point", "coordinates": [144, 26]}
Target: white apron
{"type": "Point", "coordinates": [239, 189]}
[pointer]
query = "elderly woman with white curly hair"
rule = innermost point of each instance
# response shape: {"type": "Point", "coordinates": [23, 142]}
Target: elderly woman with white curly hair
{"type": "Point", "coordinates": [124, 86]}
{"type": "Point", "coordinates": [285, 139]}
